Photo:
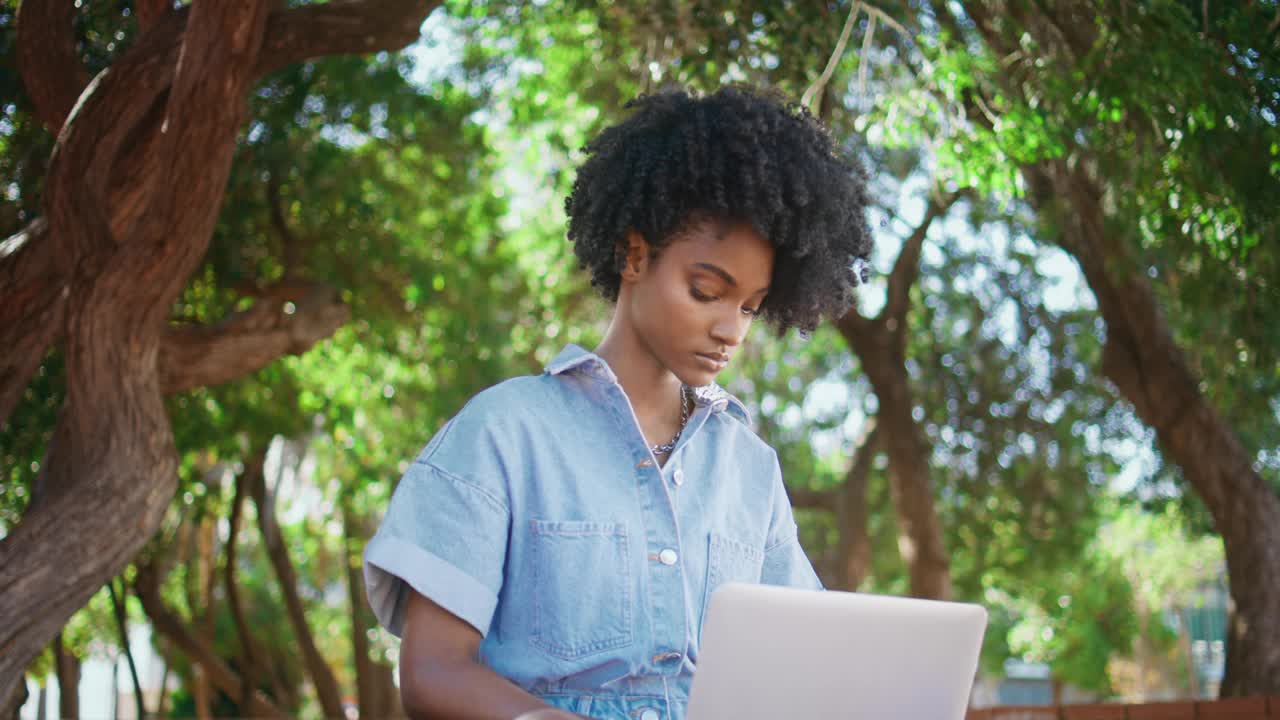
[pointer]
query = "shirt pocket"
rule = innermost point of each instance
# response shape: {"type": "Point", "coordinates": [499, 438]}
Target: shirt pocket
{"type": "Point", "coordinates": [729, 561]}
{"type": "Point", "coordinates": [581, 587]}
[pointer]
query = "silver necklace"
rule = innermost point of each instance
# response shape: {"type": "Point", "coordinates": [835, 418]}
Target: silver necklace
{"type": "Point", "coordinates": [670, 445]}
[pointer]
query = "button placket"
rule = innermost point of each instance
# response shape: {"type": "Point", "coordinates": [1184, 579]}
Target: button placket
{"type": "Point", "coordinates": [667, 600]}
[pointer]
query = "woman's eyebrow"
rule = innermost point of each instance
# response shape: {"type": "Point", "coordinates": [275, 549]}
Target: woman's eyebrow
{"type": "Point", "coordinates": [724, 274]}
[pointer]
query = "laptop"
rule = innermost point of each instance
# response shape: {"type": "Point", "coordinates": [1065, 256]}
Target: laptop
{"type": "Point", "coordinates": [773, 652]}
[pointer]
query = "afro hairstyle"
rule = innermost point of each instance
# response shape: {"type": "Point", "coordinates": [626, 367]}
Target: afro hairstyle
{"type": "Point", "coordinates": [739, 154]}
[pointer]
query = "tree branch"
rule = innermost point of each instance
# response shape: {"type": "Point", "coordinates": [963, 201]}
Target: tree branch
{"type": "Point", "coordinates": [907, 267]}
{"type": "Point", "coordinates": [854, 323]}
{"type": "Point", "coordinates": [290, 248]}
{"type": "Point", "coordinates": [34, 300]}
{"type": "Point", "coordinates": [355, 27]}
{"type": "Point", "coordinates": [118, 600]}
{"type": "Point", "coordinates": [287, 320]}
{"type": "Point", "coordinates": [812, 97]}
{"type": "Point", "coordinates": [47, 59]}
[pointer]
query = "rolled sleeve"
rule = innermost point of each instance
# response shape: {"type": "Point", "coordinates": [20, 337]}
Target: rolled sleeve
{"type": "Point", "coordinates": [785, 562]}
{"type": "Point", "coordinates": [445, 537]}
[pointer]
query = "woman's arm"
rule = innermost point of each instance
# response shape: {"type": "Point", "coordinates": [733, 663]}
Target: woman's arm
{"type": "Point", "coordinates": [441, 676]}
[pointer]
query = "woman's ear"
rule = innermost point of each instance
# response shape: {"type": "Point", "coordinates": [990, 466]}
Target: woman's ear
{"type": "Point", "coordinates": [632, 255]}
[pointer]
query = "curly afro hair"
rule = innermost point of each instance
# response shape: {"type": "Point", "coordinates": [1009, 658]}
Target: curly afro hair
{"type": "Point", "coordinates": [739, 154]}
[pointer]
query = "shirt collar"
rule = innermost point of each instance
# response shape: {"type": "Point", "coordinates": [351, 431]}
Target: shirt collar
{"type": "Point", "coordinates": [574, 358]}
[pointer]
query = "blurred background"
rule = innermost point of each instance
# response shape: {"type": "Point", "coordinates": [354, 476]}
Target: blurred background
{"type": "Point", "coordinates": [1058, 396]}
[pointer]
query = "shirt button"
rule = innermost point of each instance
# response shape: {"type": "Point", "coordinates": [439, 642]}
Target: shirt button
{"type": "Point", "coordinates": [649, 714]}
{"type": "Point", "coordinates": [668, 557]}
{"type": "Point", "coordinates": [678, 477]}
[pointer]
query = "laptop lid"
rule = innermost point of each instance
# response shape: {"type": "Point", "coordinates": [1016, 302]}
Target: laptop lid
{"type": "Point", "coordinates": [773, 652]}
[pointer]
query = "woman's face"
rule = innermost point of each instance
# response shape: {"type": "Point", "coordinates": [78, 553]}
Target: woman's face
{"type": "Point", "coordinates": [693, 304]}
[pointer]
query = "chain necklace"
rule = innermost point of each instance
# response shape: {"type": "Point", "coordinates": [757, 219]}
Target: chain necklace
{"type": "Point", "coordinates": [670, 445]}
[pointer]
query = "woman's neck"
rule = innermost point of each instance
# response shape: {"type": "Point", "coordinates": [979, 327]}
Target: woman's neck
{"type": "Point", "coordinates": [654, 391]}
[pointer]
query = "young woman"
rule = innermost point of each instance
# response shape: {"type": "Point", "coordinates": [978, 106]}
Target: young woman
{"type": "Point", "coordinates": [551, 552]}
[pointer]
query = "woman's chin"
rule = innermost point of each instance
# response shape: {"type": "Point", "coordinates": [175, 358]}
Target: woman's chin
{"type": "Point", "coordinates": [697, 377]}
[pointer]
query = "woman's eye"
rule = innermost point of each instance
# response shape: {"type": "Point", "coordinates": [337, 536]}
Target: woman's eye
{"type": "Point", "coordinates": [751, 311]}
{"type": "Point", "coordinates": [699, 295]}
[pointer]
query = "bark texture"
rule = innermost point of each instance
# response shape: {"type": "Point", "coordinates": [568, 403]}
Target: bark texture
{"type": "Point", "coordinates": [133, 189]}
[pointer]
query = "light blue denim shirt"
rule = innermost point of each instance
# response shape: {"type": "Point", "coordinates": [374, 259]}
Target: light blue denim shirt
{"type": "Point", "coordinates": [539, 516]}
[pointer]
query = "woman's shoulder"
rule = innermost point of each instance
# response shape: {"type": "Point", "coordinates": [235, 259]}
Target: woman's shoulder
{"type": "Point", "coordinates": [492, 429]}
{"type": "Point", "coordinates": [497, 410]}
{"type": "Point", "coordinates": [512, 399]}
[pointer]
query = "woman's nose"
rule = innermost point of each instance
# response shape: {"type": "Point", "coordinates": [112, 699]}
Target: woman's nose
{"type": "Point", "coordinates": [730, 329]}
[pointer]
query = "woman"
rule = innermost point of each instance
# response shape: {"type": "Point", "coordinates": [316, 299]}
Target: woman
{"type": "Point", "coordinates": [551, 552]}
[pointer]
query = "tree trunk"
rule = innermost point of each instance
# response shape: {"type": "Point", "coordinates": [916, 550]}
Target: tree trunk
{"type": "Point", "coordinates": [1150, 370]}
{"type": "Point", "coordinates": [99, 277]}
{"type": "Point", "coordinates": [249, 655]}
{"type": "Point", "coordinates": [120, 611]}
{"type": "Point", "coordinates": [113, 426]}
{"type": "Point", "coordinates": [12, 701]}
{"type": "Point", "coordinates": [164, 690]}
{"type": "Point", "coordinates": [854, 557]}
{"type": "Point", "coordinates": [376, 690]}
{"type": "Point", "coordinates": [204, 571]}
{"type": "Point", "coordinates": [68, 669]}
{"type": "Point", "coordinates": [880, 345]}
{"type": "Point", "coordinates": [321, 675]}
{"type": "Point", "coordinates": [171, 626]}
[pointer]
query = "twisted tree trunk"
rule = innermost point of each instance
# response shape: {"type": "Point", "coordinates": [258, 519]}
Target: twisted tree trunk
{"type": "Point", "coordinates": [132, 193]}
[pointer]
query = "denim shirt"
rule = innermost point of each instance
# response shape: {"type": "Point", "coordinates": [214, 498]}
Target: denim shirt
{"type": "Point", "coordinates": [539, 516]}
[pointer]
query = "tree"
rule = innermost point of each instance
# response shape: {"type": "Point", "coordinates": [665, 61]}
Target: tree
{"type": "Point", "coordinates": [880, 343]}
{"type": "Point", "coordinates": [134, 183]}
{"type": "Point", "coordinates": [1047, 99]}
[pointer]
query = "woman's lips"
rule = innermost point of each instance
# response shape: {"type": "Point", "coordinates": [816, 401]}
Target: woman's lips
{"type": "Point", "coordinates": [714, 363]}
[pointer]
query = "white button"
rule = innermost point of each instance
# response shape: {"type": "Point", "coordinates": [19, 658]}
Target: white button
{"type": "Point", "coordinates": [678, 477]}
{"type": "Point", "coordinates": [668, 557]}
{"type": "Point", "coordinates": [649, 714]}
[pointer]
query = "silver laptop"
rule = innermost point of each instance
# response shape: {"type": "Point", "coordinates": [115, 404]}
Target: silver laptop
{"type": "Point", "coordinates": [771, 652]}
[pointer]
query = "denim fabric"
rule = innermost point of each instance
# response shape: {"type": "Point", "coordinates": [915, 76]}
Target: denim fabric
{"type": "Point", "coordinates": [539, 516]}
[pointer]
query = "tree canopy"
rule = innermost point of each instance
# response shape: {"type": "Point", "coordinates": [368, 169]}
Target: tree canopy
{"type": "Point", "coordinates": [1065, 353]}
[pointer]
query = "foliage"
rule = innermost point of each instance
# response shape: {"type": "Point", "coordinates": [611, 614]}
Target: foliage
{"type": "Point", "coordinates": [425, 187]}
